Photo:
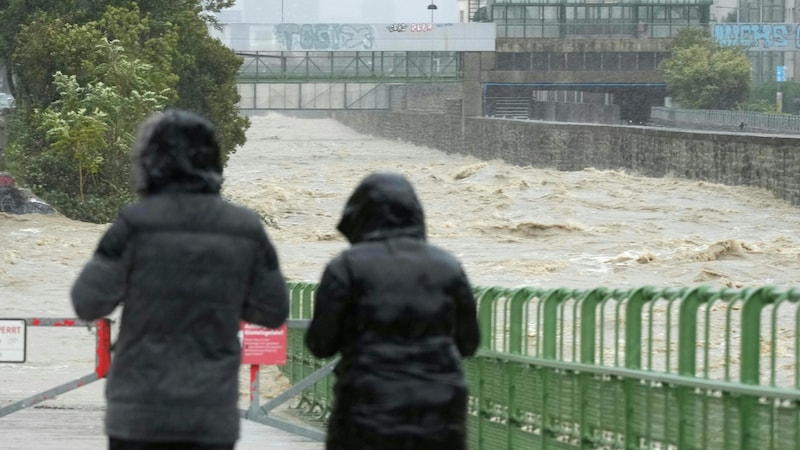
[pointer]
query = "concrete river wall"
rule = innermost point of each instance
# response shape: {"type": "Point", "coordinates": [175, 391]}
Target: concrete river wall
{"type": "Point", "coordinates": [767, 161]}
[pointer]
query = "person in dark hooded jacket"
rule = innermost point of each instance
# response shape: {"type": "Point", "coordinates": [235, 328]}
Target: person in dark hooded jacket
{"type": "Point", "coordinates": [401, 314]}
{"type": "Point", "coordinates": [187, 267]}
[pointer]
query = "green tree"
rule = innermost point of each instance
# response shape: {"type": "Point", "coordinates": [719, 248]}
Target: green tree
{"type": "Point", "coordinates": [49, 45]}
{"type": "Point", "coordinates": [207, 69]}
{"type": "Point", "coordinates": [164, 43]}
{"type": "Point", "coordinates": [208, 85]}
{"type": "Point", "coordinates": [700, 74]}
{"type": "Point", "coordinates": [80, 126]}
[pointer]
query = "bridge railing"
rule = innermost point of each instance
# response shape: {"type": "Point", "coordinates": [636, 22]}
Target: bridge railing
{"type": "Point", "coordinates": [282, 66]}
{"type": "Point", "coordinates": [643, 368]}
{"type": "Point", "coordinates": [726, 120]}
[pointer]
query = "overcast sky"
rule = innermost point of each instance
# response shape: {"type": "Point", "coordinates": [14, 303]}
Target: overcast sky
{"type": "Point", "coordinates": [344, 11]}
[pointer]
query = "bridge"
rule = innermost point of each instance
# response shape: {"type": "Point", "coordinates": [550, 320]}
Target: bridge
{"type": "Point", "coordinates": [358, 66]}
{"type": "Point", "coordinates": [337, 80]}
{"type": "Point", "coordinates": [347, 66]}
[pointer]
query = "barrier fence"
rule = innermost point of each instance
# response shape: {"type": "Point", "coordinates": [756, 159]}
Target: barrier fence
{"type": "Point", "coordinates": [102, 360]}
{"type": "Point", "coordinates": [746, 121]}
{"type": "Point", "coordinates": [641, 368]}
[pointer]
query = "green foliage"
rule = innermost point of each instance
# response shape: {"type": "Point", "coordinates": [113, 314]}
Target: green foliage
{"type": "Point", "coordinates": [86, 73]}
{"type": "Point", "coordinates": [761, 106]}
{"type": "Point", "coordinates": [763, 97]}
{"type": "Point", "coordinates": [690, 37]}
{"type": "Point", "coordinates": [700, 74]}
{"type": "Point", "coordinates": [93, 208]}
{"type": "Point", "coordinates": [207, 85]}
{"type": "Point", "coordinates": [91, 126]}
{"type": "Point", "coordinates": [80, 126]}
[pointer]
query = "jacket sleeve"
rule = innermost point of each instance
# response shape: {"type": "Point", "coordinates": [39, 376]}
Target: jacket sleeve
{"type": "Point", "coordinates": [102, 283]}
{"type": "Point", "coordinates": [467, 330]}
{"type": "Point", "coordinates": [324, 335]}
{"type": "Point", "coordinates": [267, 302]}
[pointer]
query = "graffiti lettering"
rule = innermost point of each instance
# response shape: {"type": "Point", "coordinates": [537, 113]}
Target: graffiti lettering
{"type": "Point", "coordinates": [765, 36]}
{"type": "Point", "coordinates": [414, 27]}
{"type": "Point", "coordinates": [325, 36]}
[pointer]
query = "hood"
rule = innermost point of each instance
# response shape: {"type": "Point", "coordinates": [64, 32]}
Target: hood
{"type": "Point", "coordinates": [384, 205]}
{"type": "Point", "coordinates": [176, 151]}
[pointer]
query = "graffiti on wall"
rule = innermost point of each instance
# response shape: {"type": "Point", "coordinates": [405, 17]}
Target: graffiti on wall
{"type": "Point", "coordinates": [758, 36]}
{"type": "Point", "coordinates": [325, 36]}
{"type": "Point", "coordinates": [414, 27]}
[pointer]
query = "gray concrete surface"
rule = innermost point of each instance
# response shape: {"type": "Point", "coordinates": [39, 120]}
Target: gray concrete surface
{"type": "Point", "coordinates": [74, 420]}
{"type": "Point", "coordinates": [69, 429]}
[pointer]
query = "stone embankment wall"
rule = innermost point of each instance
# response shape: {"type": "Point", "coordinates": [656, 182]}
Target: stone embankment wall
{"type": "Point", "coordinates": [769, 162]}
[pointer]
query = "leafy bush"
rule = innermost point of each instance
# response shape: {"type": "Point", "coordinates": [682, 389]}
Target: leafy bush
{"type": "Point", "coordinates": [93, 208]}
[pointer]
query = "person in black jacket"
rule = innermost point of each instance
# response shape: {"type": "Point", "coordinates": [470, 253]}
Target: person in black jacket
{"type": "Point", "coordinates": [187, 267]}
{"type": "Point", "coordinates": [402, 315]}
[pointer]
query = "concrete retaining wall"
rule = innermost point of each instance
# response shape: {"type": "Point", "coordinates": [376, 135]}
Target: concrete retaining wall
{"type": "Point", "coordinates": [768, 162]}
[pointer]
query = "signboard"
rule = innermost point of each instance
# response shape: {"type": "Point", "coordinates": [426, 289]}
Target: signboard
{"type": "Point", "coordinates": [358, 37]}
{"type": "Point", "coordinates": [262, 346]}
{"type": "Point", "coordinates": [12, 340]}
{"type": "Point", "coordinates": [780, 74]}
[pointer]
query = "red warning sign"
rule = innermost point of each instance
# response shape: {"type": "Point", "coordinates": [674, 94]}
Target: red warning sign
{"type": "Point", "coordinates": [262, 346]}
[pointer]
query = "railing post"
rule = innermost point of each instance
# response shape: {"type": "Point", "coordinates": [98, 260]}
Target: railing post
{"type": "Point", "coordinates": [103, 347]}
{"type": "Point", "coordinates": [486, 317]}
{"type": "Point", "coordinates": [750, 361]}
{"type": "Point", "coordinates": [520, 299]}
{"type": "Point", "coordinates": [254, 388]}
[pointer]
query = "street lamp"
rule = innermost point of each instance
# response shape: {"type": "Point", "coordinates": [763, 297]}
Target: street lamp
{"type": "Point", "coordinates": [432, 7]}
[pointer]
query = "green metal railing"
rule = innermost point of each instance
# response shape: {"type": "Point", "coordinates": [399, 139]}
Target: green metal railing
{"type": "Point", "coordinates": [601, 368]}
{"type": "Point", "coordinates": [405, 66]}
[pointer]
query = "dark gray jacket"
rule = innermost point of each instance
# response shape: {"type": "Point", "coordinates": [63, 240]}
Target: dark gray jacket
{"type": "Point", "coordinates": [401, 314]}
{"type": "Point", "coordinates": [187, 267]}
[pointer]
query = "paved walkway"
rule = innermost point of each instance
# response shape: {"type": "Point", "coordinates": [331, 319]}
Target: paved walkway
{"type": "Point", "coordinates": [74, 421]}
{"type": "Point", "coordinates": [64, 429]}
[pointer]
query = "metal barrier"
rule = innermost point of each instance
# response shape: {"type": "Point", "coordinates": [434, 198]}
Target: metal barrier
{"type": "Point", "coordinates": [601, 368]}
{"type": "Point", "coordinates": [102, 361]}
{"type": "Point", "coordinates": [643, 368]}
{"type": "Point", "coordinates": [261, 414]}
{"type": "Point", "coordinates": [315, 401]}
{"type": "Point", "coordinates": [751, 122]}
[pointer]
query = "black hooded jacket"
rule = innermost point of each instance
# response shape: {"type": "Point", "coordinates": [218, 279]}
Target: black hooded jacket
{"type": "Point", "coordinates": [401, 313]}
{"type": "Point", "coordinates": [187, 266]}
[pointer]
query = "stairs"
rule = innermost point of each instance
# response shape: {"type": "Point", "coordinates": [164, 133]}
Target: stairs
{"type": "Point", "coordinates": [511, 108]}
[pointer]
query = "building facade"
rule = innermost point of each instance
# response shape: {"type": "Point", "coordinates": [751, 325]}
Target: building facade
{"type": "Point", "coordinates": [768, 30]}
